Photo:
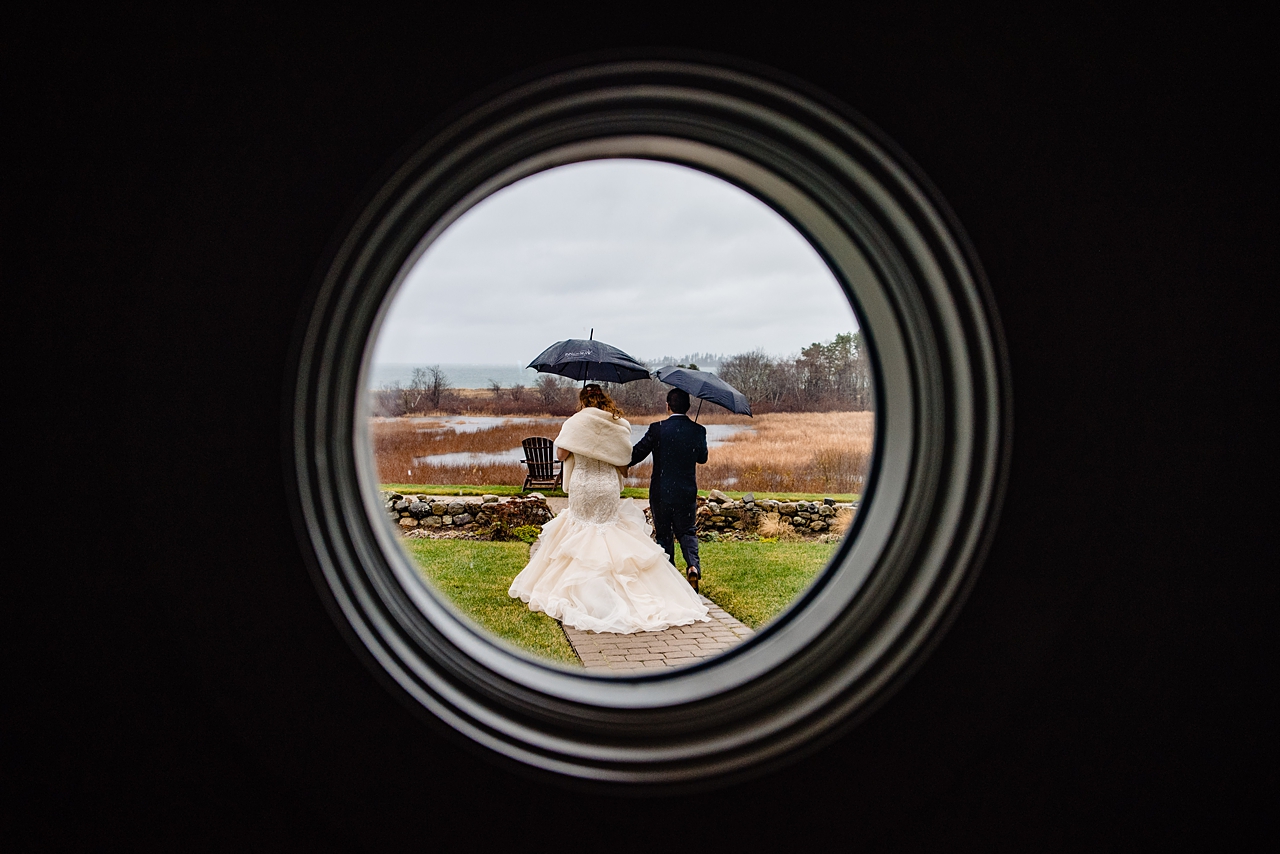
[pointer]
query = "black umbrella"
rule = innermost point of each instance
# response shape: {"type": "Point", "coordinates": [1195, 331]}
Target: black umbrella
{"type": "Point", "coordinates": [589, 360]}
{"type": "Point", "coordinates": [705, 386]}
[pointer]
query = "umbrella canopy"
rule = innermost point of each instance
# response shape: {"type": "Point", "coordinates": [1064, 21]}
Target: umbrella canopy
{"type": "Point", "coordinates": [589, 360]}
{"type": "Point", "coordinates": [705, 386]}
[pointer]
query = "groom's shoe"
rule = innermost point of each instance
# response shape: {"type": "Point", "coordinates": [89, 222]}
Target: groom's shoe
{"type": "Point", "coordinates": [694, 575]}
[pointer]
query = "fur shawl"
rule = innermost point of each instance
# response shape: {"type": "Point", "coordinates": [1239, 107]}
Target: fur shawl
{"type": "Point", "coordinates": [594, 433]}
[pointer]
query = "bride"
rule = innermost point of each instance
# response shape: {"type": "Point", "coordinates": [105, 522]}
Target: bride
{"type": "Point", "coordinates": [596, 568]}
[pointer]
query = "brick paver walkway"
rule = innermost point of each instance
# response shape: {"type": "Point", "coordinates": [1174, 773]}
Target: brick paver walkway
{"type": "Point", "coordinates": [674, 647]}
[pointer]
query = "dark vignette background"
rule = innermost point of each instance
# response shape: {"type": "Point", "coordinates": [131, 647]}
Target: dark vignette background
{"type": "Point", "coordinates": [171, 185]}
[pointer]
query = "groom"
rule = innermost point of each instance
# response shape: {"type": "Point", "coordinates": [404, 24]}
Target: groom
{"type": "Point", "coordinates": [678, 446]}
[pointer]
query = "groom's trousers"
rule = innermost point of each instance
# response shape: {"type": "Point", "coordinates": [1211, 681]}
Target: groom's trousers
{"type": "Point", "coordinates": [677, 522]}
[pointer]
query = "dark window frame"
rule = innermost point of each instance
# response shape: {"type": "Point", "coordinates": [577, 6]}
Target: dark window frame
{"type": "Point", "coordinates": [942, 439]}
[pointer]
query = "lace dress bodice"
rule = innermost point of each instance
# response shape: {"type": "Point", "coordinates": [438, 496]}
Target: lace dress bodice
{"type": "Point", "coordinates": [593, 491]}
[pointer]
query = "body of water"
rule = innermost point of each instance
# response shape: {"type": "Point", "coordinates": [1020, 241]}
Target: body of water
{"type": "Point", "coordinates": [466, 458]}
{"type": "Point", "coordinates": [476, 423]}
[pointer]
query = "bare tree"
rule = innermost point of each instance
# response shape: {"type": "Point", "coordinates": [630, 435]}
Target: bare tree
{"type": "Point", "coordinates": [415, 395]}
{"type": "Point", "coordinates": [749, 374]}
{"type": "Point", "coordinates": [556, 393]}
{"type": "Point", "coordinates": [860, 374]}
{"type": "Point", "coordinates": [517, 393]}
{"type": "Point", "coordinates": [426, 389]}
{"type": "Point", "coordinates": [786, 387]}
{"type": "Point", "coordinates": [437, 385]}
{"type": "Point", "coordinates": [548, 390]}
{"type": "Point", "coordinates": [388, 401]}
{"type": "Point", "coordinates": [640, 397]}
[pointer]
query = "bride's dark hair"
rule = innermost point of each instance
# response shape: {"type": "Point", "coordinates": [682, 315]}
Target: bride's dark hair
{"type": "Point", "coordinates": [593, 395]}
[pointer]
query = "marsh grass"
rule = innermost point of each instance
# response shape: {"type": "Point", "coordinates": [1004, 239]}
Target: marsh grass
{"type": "Point", "coordinates": [475, 577]}
{"type": "Point", "coordinates": [843, 519]}
{"type": "Point", "coordinates": [397, 441]}
{"type": "Point", "coordinates": [812, 452]}
{"type": "Point", "coordinates": [799, 454]}
{"type": "Point", "coordinates": [771, 526]}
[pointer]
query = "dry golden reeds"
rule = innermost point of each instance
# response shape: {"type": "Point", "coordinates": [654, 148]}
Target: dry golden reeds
{"type": "Point", "coordinates": [771, 525]}
{"type": "Point", "coordinates": [795, 452]}
{"type": "Point", "coordinates": [397, 442]}
{"type": "Point", "coordinates": [840, 523]}
{"type": "Point", "coordinates": [825, 452]}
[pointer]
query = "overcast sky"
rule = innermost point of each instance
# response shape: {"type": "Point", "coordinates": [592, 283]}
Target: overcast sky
{"type": "Point", "coordinates": [659, 259]}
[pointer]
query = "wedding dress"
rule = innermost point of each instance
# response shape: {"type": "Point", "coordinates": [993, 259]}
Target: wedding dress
{"type": "Point", "coordinates": [596, 567]}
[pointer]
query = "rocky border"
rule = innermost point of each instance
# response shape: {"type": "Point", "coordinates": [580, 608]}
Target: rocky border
{"type": "Point", "coordinates": [466, 517]}
{"type": "Point", "coordinates": [719, 517]}
{"type": "Point", "coordinates": [719, 513]}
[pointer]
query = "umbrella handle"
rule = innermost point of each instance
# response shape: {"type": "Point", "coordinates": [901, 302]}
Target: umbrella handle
{"type": "Point", "coordinates": [699, 412]}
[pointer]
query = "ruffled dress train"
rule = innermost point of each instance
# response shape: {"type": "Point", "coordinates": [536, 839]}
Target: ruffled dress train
{"type": "Point", "coordinates": [597, 569]}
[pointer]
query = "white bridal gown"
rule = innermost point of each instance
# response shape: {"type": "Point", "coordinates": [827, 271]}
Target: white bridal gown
{"type": "Point", "coordinates": [597, 569]}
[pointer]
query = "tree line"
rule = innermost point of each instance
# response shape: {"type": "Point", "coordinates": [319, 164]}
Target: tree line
{"type": "Point", "coordinates": [825, 376]}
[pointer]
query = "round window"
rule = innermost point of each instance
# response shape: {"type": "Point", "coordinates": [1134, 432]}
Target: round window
{"type": "Point", "coordinates": [870, 344]}
{"type": "Point", "coordinates": [656, 258]}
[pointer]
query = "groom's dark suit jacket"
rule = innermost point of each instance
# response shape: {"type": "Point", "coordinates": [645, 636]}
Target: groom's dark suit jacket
{"type": "Point", "coordinates": [678, 445]}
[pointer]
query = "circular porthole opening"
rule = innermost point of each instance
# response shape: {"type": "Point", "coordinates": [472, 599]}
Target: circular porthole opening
{"type": "Point", "coordinates": [494, 238]}
{"type": "Point", "coordinates": [656, 258]}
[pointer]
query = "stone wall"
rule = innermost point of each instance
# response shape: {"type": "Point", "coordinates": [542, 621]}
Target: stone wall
{"type": "Point", "coordinates": [439, 514]}
{"type": "Point", "coordinates": [720, 514]}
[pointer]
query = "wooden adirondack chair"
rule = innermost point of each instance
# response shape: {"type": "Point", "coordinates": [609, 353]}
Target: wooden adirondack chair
{"type": "Point", "coordinates": [545, 471]}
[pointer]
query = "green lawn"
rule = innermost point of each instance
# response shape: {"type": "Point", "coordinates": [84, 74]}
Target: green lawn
{"type": "Point", "coordinates": [752, 581]}
{"type": "Point", "coordinates": [475, 577]}
{"type": "Point", "coordinates": [756, 581]}
{"type": "Point", "coordinates": [627, 492]}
